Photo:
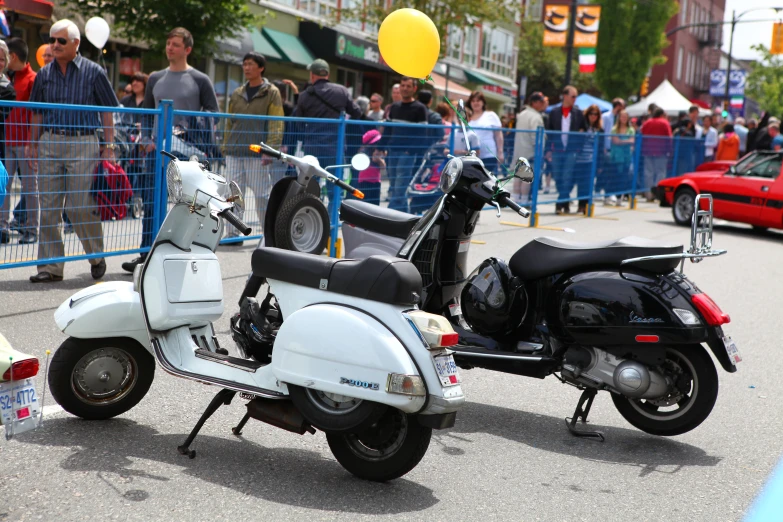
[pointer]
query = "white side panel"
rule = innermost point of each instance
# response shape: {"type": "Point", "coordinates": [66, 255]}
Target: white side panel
{"type": "Point", "coordinates": [322, 346]}
{"type": "Point", "coordinates": [361, 243]}
{"type": "Point", "coordinates": [193, 281]}
{"type": "Point", "coordinates": [103, 310]}
{"type": "Point", "coordinates": [163, 315]}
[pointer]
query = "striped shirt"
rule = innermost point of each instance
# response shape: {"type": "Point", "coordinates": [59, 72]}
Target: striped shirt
{"type": "Point", "coordinates": [84, 83]}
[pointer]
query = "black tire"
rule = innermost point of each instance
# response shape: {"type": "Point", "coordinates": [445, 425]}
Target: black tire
{"type": "Point", "coordinates": [323, 413]}
{"type": "Point", "coordinates": [387, 450]}
{"type": "Point", "coordinates": [297, 222]}
{"type": "Point", "coordinates": [72, 379]}
{"type": "Point", "coordinates": [682, 196]}
{"type": "Point", "coordinates": [698, 375]}
{"type": "Point", "coordinates": [759, 229]}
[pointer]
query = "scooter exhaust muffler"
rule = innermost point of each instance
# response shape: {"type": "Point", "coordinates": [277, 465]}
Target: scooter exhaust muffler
{"type": "Point", "coordinates": [280, 413]}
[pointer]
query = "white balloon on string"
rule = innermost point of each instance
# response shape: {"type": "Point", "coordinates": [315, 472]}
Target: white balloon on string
{"type": "Point", "coordinates": [97, 31]}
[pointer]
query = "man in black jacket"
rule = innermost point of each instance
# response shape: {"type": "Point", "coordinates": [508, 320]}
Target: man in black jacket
{"type": "Point", "coordinates": [434, 134]}
{"type": "Point", "coordinates": [324, 99]}
{"type": "Point", "coordinates": [564, 147]}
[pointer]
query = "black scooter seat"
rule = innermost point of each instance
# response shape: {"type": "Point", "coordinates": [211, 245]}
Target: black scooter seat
{"type": "Point", "coordinates": [377, 219]}
{"type": "Point", "coordinates": [385, 279]}
{"type": "Point", "coordinates": [548, 256]}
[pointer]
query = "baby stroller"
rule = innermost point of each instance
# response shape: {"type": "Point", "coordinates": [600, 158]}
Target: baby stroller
{"type": "Point", "coordinates": [424, 188]}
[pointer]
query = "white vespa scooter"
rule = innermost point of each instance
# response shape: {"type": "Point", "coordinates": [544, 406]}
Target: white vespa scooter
{"type": "Point", "coordinates": [352, 356]}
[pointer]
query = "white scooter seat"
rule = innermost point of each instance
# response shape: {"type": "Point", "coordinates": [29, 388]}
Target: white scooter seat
{"type": "Point", "coordinates": [378, 219]}
{"type": "Point", "coordinates": [385, 279]}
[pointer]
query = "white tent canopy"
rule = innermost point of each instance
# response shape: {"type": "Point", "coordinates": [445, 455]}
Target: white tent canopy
{"type": "Point", "coordinates": [667, 98]}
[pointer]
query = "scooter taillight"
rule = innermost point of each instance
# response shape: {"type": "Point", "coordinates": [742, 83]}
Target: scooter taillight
{"type": "Point", "coordinates": [709, 310]}
{"type": "Point", "coordinates": [21, 370]}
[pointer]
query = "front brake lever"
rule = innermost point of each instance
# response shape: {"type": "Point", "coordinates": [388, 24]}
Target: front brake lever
{"type": "Point", "coordinates": [497, 207]}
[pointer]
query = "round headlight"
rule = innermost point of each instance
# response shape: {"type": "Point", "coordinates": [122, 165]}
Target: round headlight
{"type": "Point", "coordinates": [450, 175]}
{"type": "Point", "coordinates": [174, 181]}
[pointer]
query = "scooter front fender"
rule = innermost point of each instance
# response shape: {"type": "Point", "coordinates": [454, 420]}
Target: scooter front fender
{"type": "Point", "coordinates": [104, 310]}
{"type": "Point", "coordinates": [337, 349]}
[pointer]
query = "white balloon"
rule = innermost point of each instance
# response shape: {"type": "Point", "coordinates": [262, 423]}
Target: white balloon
{"type": "Point", "coordinates": [97, 31]}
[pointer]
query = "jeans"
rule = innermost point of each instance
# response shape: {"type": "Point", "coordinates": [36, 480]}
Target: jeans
{"type": "Point", "coordinates": [400, 171]}
{"type": "Point", "coordinates": [654, 171]}
{"type": "Point", "coordinates": [563, 171]}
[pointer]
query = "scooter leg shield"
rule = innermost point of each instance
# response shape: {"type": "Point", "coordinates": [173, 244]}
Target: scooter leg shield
{"type": "Point", "coordinates": [105, 310]}
{"type": "Point", "coordinates": [340, 350]}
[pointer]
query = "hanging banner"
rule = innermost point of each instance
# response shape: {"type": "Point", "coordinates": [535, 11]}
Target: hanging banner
{"type": "Point", "coordinates": [736, 82]}
{"type": "Point", "coordinates": [777, 39]}
{"type": "Point", "coordinates": [585, 28]}
{"type": "Point", "coordinates": [586, 31]}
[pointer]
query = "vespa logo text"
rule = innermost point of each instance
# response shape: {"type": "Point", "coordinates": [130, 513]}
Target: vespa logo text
{"type": "Point", "coordinates": [636, 319]}
{"type": "Point", "coordinates": [360, 384]}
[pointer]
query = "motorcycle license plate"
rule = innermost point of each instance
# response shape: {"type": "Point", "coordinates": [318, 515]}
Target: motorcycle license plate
{"type": "Point", "coordinates": [447, 370]}
{"type": "Point", "coordinates": [19, 406]}
{"type": "Point", "coordinates": [732, 350]}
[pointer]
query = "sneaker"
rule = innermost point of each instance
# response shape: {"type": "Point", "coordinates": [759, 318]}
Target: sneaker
{"type": "Point", "coordinates": [27, 238]}
{"type": "Point", "coordinates": [611, 201]}
{"type": "Point", "coordinates": [98, 270]}
{"type": "Point", "coordinates": [130, 266]}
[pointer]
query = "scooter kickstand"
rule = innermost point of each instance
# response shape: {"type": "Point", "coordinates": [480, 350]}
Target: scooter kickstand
{"type": "Point", "coordinates": [224, 396]}
{"type": "Point", "coordinates": [585, 400]}
{"type": "Point", "coordinates": [237, 430]}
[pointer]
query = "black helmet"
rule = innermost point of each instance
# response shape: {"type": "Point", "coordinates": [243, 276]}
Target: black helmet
{"type": "Point", "coordinates": [254, 329]}
{"type": "Point", "coordinates": [493, 300]}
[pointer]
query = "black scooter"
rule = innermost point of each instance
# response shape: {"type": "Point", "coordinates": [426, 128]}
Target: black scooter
{"type": "Point", "coordinates": [615, 316]}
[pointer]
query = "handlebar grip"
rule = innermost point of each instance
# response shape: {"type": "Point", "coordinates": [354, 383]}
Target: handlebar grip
{"type": "Point", "coordinates": [236, 222]}
{"type": "Point", "coordinates": [266, 150]}
{"type": "Point", "coordinates": [351, 190]}
{"type": "Point", "coordinates": [508, 202]}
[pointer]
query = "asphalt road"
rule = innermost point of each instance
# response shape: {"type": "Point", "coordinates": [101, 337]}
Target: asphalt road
{"type": "Point", "coordinates": [509, 457]}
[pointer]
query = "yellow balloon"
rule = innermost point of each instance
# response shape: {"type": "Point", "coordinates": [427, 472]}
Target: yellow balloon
{"type": "Point", "coordinates": [409, 43]}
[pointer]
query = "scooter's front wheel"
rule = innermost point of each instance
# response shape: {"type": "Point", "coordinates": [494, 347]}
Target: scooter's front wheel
{"type": "Point", "coordinates": [687, 405]}
{"type": "Point", "coordinates": [386, 450]}
{"type": "Point", "coordinates": [98, 379]}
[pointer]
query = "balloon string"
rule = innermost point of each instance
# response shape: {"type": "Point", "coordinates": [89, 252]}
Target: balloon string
{"type": "Point", "coordinates": [467, 126]}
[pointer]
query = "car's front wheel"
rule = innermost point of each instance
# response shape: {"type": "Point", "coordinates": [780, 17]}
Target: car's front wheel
{"type": "Point", "coordinates": [682, 208]}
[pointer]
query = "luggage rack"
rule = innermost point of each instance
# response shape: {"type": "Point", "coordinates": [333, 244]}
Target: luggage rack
{"type": "Point", "coordinates": [701, 237]}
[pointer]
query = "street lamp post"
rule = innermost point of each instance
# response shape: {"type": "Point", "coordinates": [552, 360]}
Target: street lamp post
{"type": "Point", "coordinates": [734, 20]}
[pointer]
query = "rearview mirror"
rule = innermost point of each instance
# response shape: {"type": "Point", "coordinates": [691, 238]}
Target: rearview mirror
{"type": "Point", "coordinates": [523, 171]}
{"type": "Point", "coordinates": [360, 161]}
{"type": "Point", "coordinates": [236, 195]}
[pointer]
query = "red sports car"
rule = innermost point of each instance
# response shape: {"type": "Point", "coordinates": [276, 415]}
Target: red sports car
{"type": "Point", "coordinates": [749, 190]}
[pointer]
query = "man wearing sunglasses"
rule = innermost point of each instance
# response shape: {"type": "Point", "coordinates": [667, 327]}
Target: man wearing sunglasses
{"type": "Point", "coordinates": [66, 143]}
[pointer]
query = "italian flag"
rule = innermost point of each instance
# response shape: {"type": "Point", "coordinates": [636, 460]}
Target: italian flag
{"type": "Point", "coordinates": [587, 60]}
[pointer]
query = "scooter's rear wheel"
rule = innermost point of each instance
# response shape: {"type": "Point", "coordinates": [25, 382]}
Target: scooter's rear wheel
{"type": "Point", "coordinates": [386, 450]}
{"type": "Point", "coordinates": [689, 403]}
{"type": "Point", "coordinates": [98, 379]}
{"type": "Point", "coordinates": [335, 413]}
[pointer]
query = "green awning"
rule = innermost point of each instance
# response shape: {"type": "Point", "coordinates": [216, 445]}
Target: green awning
{"type": "Point", "coordinates": [480, 78]}
{"type": "Point", "coordinates": [262, 45]}
{"type": "Point", "coordinates": [289, 46]}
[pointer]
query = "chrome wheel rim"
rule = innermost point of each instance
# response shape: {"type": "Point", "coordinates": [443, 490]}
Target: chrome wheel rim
{"type": "Point", "coordinates": [382, 439]}
{"type": "Point", "coordinates": [684, 207]}
{"type": "Point", "coordinates": [104, 376]}
{"type": "Point", "coordinates": [678, 369]}
{"type": "Point", "coordinates": [306, 229]}
{"type": "Point", "coordinates": [332, 403]}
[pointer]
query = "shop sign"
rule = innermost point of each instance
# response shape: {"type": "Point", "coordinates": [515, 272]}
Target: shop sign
{"type": "Point", "coordinates": [360, 51]}
{"type": "Point", "coordinates": [497, 89]}
{"type": "Point", "coordinates": [129, 66]}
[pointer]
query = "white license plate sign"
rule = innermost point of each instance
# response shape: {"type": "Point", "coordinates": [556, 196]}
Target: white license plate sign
{"type": "Point", "coordinates": [447, 370]}
{"type": "Point", "coordinates": [19, 406]}
{"type": "Point", "coordinates": [732, 350]}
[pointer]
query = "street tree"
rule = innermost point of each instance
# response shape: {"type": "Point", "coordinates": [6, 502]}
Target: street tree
{"type": "Point", "coordinates": [630, 41]}
{"type": "Point", "coordinates": [150, 20]}
{"type": "Point", "coordinates": [765, 81]}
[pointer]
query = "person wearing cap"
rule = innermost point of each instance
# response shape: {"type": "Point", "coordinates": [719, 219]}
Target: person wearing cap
{"type": "Point", "coordinates": [259, 97]}
{"type": "Point", "coordinates": [369, 180]}
{"type": "Point", "coordinates": [528, 120]}
{"type": "Point", "coordinates": [327, 100]}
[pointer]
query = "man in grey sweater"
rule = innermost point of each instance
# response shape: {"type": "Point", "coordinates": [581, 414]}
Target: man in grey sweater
{"type": "Point", "coordinates": [190, 90]}
{"type": "Point", "coordinates": [529, 119]}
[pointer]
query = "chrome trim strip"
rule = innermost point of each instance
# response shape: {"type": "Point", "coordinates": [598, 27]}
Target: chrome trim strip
{"type": "Point", "coordinates": [684, 255]}
{"type": "Point", "coordinates": [227, 363]}
{"type": "Point", "coordinates": [493, 356]}
{"type": "Point", "coordinates": [105, 291]}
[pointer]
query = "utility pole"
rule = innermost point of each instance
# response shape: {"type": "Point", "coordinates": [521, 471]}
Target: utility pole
{"type": "Point", "coordinates": [570, 41]}
{"type": "Point", "coordinates": [728, 69]}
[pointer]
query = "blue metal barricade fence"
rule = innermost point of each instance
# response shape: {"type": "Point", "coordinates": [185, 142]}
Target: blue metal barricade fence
{"type": "Point", "coordinates": [75, 206]}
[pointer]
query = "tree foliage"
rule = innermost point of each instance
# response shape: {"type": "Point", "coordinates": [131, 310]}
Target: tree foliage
{"type": "Point", "coordinates": [443, 13]}
{"type": "Point", "coordinates": [151, 20]}
{"type": "Point", "coordinates": [630, 41]}
{"type": "Point", "coordinates": [765, 81]}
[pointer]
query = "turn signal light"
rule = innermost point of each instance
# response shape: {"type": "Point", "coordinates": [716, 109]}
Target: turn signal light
{"type": "Point", "coordinates": [435, 330]}
{"type": "Point", "coordinates": [255, 148]}
{"type": "Point", "coordinates": [358, 194]}
{"type": "Point", "coordinates": [709, 310]}
{"type": "Point", "coordinates": [22, 370]}
{"type": "Point", "coordinates": [406, 385]}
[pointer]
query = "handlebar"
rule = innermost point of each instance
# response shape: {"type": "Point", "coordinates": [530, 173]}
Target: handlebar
{"type": "Point", "coordinates": [317, 170]}
{"type": "Point", "coordinates": [506, 201]}
{"type": "Point", "coordinates": [234, 220]}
